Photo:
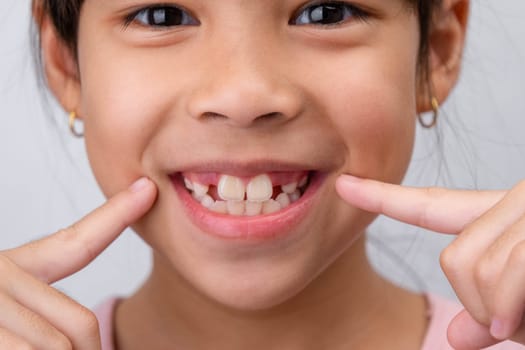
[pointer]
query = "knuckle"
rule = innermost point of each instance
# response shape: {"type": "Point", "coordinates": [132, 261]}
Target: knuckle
{"type": "Point", "coordinates": [60, 342]}
{"type": "Point", "coordinates": [22, 345]}
{"type": "Point", "coordinates": [424, 219]}
{"type": "Point", "coordinates": [71, 236]}
{"type": "Point", "coordinates": [447, 258]}
{"type": "Point", "coordinates": [455, 263]}
{"type": "Point", "coordinates": [7, 270]}
{"type": "Point", "coordinates": [450, 260]}
{"type": "Point", "coordinates": [517, 255]}
{"type": "Point", "coordinates": [485, 273]}
{"type": "Point", "coordinates": [48, 334]}
{"type": "Point", "coordinates": [10, 341]}
{"type": "Point", "coordinates": [427, 213]}
{"type": "Point", "coordinates": [87, 321]}
{"type": "Point", "coordinates": [6, 265]}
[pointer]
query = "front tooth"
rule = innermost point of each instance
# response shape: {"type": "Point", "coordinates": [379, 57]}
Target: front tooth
{"type": "Point", "coordinates": [271, 206]}
{"type": "Point", "coordinates": [200, 190]}
{"type": "Point", "coordinates": [235, 207]}
{"type": "Point", "coordinates": [290, 188]}
{"type": "Point", "coordinates": [283, 200]}
{"type": "Point", "coordinates": [253, 208]}
{"type": "Point", "coordinates": [231, 188]}
{"type": "Point", "coordinates": [219, 207]}
{"type": "Point", "coordinates": [259, 189]}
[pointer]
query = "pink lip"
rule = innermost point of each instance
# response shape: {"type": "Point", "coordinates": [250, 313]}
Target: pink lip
{"type": "Point", "coordinates": [262, 227]}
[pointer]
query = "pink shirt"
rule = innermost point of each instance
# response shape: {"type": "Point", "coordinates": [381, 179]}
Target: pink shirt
{"type": "Point", "coordinates": [441, 312]}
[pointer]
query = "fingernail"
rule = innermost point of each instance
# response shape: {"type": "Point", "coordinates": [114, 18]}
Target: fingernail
{"type": "Point", "coordinates": [497, 329]}
{"type": "Point", "coordinates": [139, 185]}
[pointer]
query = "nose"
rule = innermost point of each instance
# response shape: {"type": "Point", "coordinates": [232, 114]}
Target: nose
{"type": "Point", "coordinates": [242, 86]}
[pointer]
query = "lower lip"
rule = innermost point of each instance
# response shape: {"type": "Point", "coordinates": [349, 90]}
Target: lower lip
{"type": "Point", "coordinates": [262, 227]}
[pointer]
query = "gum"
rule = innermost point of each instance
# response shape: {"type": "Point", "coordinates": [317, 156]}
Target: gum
{"type": "Point", "coordinates": [278, 178]}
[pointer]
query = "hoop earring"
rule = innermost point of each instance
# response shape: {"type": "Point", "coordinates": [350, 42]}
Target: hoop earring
{"type": "Point", "coordinates": [72, 125]}
{"type": "Point", "coordinates": [435, 114]}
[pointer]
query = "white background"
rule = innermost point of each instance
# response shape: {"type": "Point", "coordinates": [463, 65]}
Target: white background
{"type": "Point", "coordinates": [45, 182]}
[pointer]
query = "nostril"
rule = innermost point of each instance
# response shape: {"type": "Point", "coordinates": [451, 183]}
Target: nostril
{"type": "Point", "coordinates": [267, 116]}
{"type": "Point", "coordinates": [213, 116]}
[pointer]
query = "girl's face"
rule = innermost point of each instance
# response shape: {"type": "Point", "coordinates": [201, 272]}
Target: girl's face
{"type": "Point", "coordinates": [259, 90]}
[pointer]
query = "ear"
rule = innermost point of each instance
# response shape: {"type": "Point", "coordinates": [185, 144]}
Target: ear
{"type": "Point", "coordinates": [446, 43]}
{"type": "Point", "coordinates": [59, 63]}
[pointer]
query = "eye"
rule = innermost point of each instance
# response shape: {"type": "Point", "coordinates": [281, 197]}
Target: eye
{"type": "Point", "coordinates": [161, 16]}
{"type": "Point", "coordinates": [328, 13]}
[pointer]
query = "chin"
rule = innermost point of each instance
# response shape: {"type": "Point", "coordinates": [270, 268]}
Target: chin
{"type": "Point", "coordinates": [248, 294]}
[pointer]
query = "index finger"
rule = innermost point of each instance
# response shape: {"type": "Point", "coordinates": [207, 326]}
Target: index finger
{"type": "Point", "coordinates": [69, 250]}
{"type": "Point", "coordinates": [433, 208]}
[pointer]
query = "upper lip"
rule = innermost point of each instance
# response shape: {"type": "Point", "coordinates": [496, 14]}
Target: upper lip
{"type": "Point", "coordinates": [247, 168]}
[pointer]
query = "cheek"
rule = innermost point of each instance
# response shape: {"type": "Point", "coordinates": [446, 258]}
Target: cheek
{"type": "Point", "coordinates": [117, 122]}
{"type": "Point", "coordinates": [126, 96]}
{"type": "Point", "coordinates": [375, 117]}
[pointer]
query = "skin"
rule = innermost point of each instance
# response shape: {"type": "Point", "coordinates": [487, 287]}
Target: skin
{"type": "Point", "coordinates": [146, 96]}
{"type": "Point", "coordinates": [483, 264]}
{"type": "Point", "coordinates": [265, 74]}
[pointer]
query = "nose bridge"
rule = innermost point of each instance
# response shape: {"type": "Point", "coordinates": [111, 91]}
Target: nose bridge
{"type": "Point", "coordinates": [242, 79]}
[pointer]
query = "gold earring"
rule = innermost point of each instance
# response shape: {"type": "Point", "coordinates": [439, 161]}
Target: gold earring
{"type": "Point", "coordinates": [72, 125]}
{"type": "Point", "coordinates": [435, 114]}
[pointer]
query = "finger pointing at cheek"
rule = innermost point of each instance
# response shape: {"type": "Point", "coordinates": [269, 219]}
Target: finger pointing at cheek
{"type": "Point", "coordinates": [436, 209]}
{"type": "Point", "coordinates": [484, 264]}
{"type": "Point", "coordinates": [69, 250]}
{"type": "Point", "coordinates": [468, 213]}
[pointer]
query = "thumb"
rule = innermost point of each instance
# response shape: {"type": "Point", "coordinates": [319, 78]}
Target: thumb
{"type": "Point", "coordinates": [464, 332]}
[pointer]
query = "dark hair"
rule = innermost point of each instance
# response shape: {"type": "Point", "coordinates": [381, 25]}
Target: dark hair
{"type": "Point", "coordinates": [65, 16]}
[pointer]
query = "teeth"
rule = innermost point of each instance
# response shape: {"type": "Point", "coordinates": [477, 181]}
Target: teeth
{"type": "Point", "coordinates": [207, 201]}
{"type": "Point", "coordinates": [259, 189]}
{"type": "Point", "coordinates": [219, 207]}
{"type": "Point", "coordinates": [231, 188]}
{"type": "Point", "coordinates": [258, 194]}
{"type": "Point", "coordinates": [235, 207]}
{"type": "Point", "coordinates": [200, 190]}
{"type": "Point", "coordinates": [188, 184]}
{"type": "Point", "coordinates": [294, 197]}
{"type": "Point", "coordinates": [271, 206]}
{"type": "Point", "coordinates": [290, 188]}
{"type": "Point", "coordinates": [283, 200]}
{"type": "Point", "coordinates": [253, 208]}
{"type": "Point", "coordinates": [303, 181]}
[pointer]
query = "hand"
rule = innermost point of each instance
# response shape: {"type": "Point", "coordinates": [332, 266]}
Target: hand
{"type": "Point", "coordinates": [486, 262]}
{"type": "Point", "coordinates": [36, 316]}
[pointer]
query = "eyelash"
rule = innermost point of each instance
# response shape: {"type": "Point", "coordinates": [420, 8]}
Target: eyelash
{"type": "Point", "coordinates": [186, 19]}
{"type": "Point", "coordinates": [351, 10]}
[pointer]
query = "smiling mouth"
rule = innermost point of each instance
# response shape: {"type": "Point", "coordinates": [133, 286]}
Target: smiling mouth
{"type": "Point", "coordinates": [251, 205]}
{"type": "Point", "coordinates": [249, 196]}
